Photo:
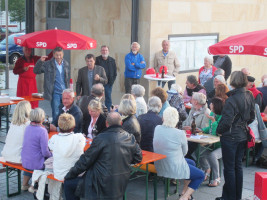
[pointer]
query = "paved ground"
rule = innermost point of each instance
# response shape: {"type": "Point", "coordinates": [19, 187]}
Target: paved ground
{"type": "Point", "coordinates": [136, 188]}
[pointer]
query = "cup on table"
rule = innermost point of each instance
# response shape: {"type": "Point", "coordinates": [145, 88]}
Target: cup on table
{"type": "Point", "coordinates": [188, 133]}
{"type": "Point", "coordinates": [157, 75]}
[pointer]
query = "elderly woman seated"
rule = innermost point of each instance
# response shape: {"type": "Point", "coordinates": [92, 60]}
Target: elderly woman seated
{"type": "Point", "coordinates": [66, 146]}
{"type": "Point", "coordinates": [175, 100]}
{"type": "Point", "coordinates": [148, 122]}
{"type": "Point", "coordinates": [162, 94]}
{"type": "Point", "coordinates": [138, 91]}
{"type": "Point", "coordinates": [127, 109]}
{"type": "Point", "coordinates": [198, 112]}
{"type": "Point", "coordinates": [172, 142]}
{"type": "Point", "coordinates": [192, 85]}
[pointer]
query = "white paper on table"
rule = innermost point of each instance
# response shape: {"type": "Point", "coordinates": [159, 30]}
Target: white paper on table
{"type": "Point", "coordinates": [198, 136]}
{"type": "Point", "coordinates": [188, 104]}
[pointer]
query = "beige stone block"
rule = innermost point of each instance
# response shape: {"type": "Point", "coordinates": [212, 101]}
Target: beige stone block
{"type": "Point", "coordinates": [181, 28]}
{"type": "Point", "coordinates": [201, 27]}
{"type": "Point", "coordinates": [201, 12]}
{"type": "Point", "coordinates": [159, 11]}
{"type": "Point", "coordinates": [122, 28]}
{"type": "Point", "coordinates": [222, 12]}
{"type": "Point", "coordinates": [160, 29]}
{"type": "Point", "coordinates": [126, 10]}
{"type": "Point", "coordinates": [145, 10]}
{"type": "Point", "coordinates": [179, 11]}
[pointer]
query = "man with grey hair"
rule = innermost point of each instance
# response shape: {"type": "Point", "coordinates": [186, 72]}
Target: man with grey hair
{"type": "Point", "coordinates": [148, 122]}
{"type": "Point", "coordinates": [68, 106]}
{"type": "Point", "coordinates": [109, 64]}
{"type": "Point", "coordinates": [209, 83]}
{"type": "Point", "coordinates": [134, 63]}
{"type": "Point", "coordinates": [166, 57]}
{"type": "Point", "coordinates": [96, 93]}
{"type": "Point", "coordinates": [115, 147]}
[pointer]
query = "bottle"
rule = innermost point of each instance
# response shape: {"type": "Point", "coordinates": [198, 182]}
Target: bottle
{"type": "Point", "coordinates": [162, 72]}
{"type": "Point", "coordinates": [193, 127]}
{"type": "Point", "coordinates": [71, 84]}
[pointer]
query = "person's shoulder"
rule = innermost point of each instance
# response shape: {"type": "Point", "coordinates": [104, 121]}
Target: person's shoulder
{"type": "Point", "coordinates": [83, 68]}
{"type": "Point", "coordinates": [98, 67]}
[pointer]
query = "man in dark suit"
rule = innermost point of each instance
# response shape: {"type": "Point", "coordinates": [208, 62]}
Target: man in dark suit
{"type": "Point", "coordinates": [89, 75]}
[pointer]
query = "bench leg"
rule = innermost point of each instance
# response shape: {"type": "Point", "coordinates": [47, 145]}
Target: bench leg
{"type": "Point", "coordinates": [9, 173]}
{"type": "Point", "coordinates": [155, 186]}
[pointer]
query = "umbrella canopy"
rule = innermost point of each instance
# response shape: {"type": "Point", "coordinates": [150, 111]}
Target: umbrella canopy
{"type": "Point", "coordinates": [50, 39]}
{"type": "Point", "coordinates": [252, 43]}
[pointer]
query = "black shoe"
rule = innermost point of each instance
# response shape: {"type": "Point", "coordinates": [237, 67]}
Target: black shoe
{"type": "Point", "coordinates": [219, 198]}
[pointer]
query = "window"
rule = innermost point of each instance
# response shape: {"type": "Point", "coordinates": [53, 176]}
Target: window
{"type": "Point", "coordinates": [58, 9]}
{"type": "Point", "coordinates": [191, 49]}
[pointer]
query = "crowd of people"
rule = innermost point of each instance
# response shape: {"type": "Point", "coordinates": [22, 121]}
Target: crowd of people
{"type": "Point", "coordinates": [120, 132]}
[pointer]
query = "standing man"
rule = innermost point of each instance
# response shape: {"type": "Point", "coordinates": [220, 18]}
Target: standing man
{"type": "Point", "coordinates": [56, 78]}
{"type": "Point", "coordinates": [168, 58]}
{"type": "Point", "coordinates": [88, 76]}
{"type": "Point", "coordinates": [106, 164]}
{"type": "Point", "coordinates": [134, 63]}
{"type": "Point", "coordinates": [109, 64]}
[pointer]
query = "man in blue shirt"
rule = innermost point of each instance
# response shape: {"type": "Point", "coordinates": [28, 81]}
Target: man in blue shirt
{"type": "Point", "coordinates": [56, 78]}
{"type": "Point", "coordinates": [134, 63]}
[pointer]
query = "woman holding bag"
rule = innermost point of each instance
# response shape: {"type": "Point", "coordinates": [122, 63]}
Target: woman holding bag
{"type": "Point", "coordinates": [239, 110]}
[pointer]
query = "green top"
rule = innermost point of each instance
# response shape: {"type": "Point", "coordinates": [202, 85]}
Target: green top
{"type": "Point", "coordinates": [211, 129]}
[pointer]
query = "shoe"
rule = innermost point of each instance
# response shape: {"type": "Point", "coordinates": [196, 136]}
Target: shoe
{"type": "Point", "coordinates": [31, 189]}
{"type": "Point", "coordinates": [207, 175]}
{"type": "Point", "coordinates": [219, 198]}
{"type": "Point", "coordinates": [25, 187]}
{"type": "Point", "coordinates": [214, 183]}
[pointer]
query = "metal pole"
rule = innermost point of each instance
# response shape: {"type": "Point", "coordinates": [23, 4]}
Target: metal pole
{"type": "Point", "coordinates": [7, 59]}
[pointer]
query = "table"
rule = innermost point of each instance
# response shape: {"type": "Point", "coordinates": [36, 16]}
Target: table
{"type": "Point", "coordinates": [152, 77]}
{"type": "Point", "coordinates": [208, 142]}
{"type": "Point", "coordinates": [148, 157]}
{"type": "Point", "coordinates": [7, 106]}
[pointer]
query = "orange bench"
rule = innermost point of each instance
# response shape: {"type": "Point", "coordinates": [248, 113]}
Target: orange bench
{"type": "Point", "coordinates": [11, 169]}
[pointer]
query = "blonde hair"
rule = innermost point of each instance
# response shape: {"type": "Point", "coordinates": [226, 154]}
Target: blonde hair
{"type": "Point", "coordinates": [127, 107]}
{"type": "Point", "coordinates": [37, 115]}
{"type": "Point", "coordinates": [21, 113]}
{"type": "Point", "coordinates": [127, 96]}
{"type": "Point", "coordinates": [66, 122]}
{"type": "Point", "coordinates": [170, 117]}
{"type": "Point", "coordinates": [95, 105]}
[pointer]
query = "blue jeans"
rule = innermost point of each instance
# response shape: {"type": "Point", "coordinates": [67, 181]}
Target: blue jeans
{"type": "Point", "coordinates": [196, 175]}
{"type": "Point", "coordinates": [70, 187]}
{"type": "Point", "coordinates": [169, 83]}
{"type": "Point", "coordinates": [108, 100]}
{"type": "Point", "coordinates": [232, 154]}
{"type": "Point", "coordinates": [55, 102]}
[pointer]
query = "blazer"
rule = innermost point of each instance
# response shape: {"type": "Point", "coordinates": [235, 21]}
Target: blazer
{"type": "Point", "coordinates": [100, 124]}
{"type": "Point", "coordinates": [82, 84]}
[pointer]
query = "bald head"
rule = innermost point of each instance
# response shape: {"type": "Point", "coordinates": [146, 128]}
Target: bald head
{"type": "Point", "coordinates": [245, 71]}
{"type": "Point", "coordinates": [113, 118]}
{"type": "Point", "coordinates": [98, 90]}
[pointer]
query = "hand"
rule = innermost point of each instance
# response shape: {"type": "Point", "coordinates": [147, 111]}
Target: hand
{"type": "Point", "coordinates": [142, 62]}
{"type": "Point", "coordinates": [132, 63]}
{"type": "Point", "coordinates": [78, 97]}
{"type": "Point", "coordinates": [114, 108]}
{"type": "Point", "coordinates": [63, 180]}
{"type": "Point", "coordinates": [97, 77]}
{"type": "Point", "coordinates": [187, 127]}
{"type": "Point", "coordinates": [43, 58]}
{"type": "Point", "coordinates": [26, 68]}
{"type": "Point", "coordinates": [210, 117]}
{"type": "Point", "coordinates": [198, 130]}
{"type": "Point", "coordinates": [53, 128]}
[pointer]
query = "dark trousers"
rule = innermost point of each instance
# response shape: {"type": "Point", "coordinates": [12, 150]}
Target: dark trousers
{"type": "Point", "coordinates": [232, 154]}
{"type": "Point", "coordinates": [108, 99]}
{"type": "Point", "coordinates": [192, 146]}
{"type": "Point", "coordinates": [163, 83]}
{"type": "Point", "coordinates": [70, 187]}
{"type": "Point", "coordinates": [128, 84]}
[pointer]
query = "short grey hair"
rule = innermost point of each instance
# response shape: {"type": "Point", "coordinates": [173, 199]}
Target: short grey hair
{"type": "Point", "coordinates": [70, 91]}
{"type": "Point", "coordinates": [98, 90]}
{"type": "Point", "coordinates": [219, 72]}
{"type": "Point", "coordinates": [220, 78]}
{"type": "Point", "coordinates": [37, 115]}
{"type": "Point", "coordinates": [176, 87]}
{"type": "Point", "coordinates": [265, 82]}
{"type": "Point", "coordinates": [138, 90]}
{"type": "Point", "coordinates": [209, 58]}
{"type": "Point", "coordinates": [114, 118]}
{"type": "Point", "coordinates": [138, 45]}
{"type": "Point", "coordinates": [154, 104]}
{"type": "Point", "coordinates": [170, 117]}
{"type": "Point", "coordinates": [199, 97]}
{"type": "Point", "coordinates": [127, 107]}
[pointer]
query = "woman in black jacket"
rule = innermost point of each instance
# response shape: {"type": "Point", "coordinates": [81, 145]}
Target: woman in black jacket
{"type": "Point", "coordinates": [237, 113]}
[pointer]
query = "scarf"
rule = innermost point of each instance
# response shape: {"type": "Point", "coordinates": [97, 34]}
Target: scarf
{"type": "Point", "coordinates": [255, 91]}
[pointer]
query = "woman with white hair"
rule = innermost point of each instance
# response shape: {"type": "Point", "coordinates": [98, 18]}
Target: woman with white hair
{"type": "Point", "coordinates": [127, 109]}
{"type": "Point", "coordinates": [35, 143]}
{"type": "Point", "coordinates": [175, 100]}
{"type": "Point", "coordinates": [172, 142]}
{"type": "Point", "coordinates": [207, 71]}
{"type": "Point", "coordinates": [67, 147]}
{"type": "Point", "coordinates": [148, 122]}
{"type": "Point", "coordinates": [15, 135]}
{"type": "Point", "coordinates": [138, 91]}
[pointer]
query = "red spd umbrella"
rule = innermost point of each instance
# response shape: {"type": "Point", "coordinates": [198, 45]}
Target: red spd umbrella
{"type": "Point", "coordinates": [50, 39]}
{"type": "Point", "coordinates": [252, 43]}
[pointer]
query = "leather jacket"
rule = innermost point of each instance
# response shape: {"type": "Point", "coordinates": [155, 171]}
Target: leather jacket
{"type": "Point", "coordinates": [131, 125]}
{"type": "Point", "coordinates": [106, 165]}
{"type": "Point", "coordinates": [238, 111]}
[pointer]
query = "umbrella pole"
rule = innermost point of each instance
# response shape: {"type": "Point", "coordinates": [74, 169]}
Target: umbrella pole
{"type": "Point", "coordinates": [7, 60]}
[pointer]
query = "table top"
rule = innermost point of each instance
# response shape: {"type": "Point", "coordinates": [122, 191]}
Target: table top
{"type": "Point", "coordinates": [152, 77]}
{"type": "Point", "coordinates": [210, 140]}
{"type": "Point", "coordinates": [148, 157]}
{"type": "Point", "coordinates": [26, 98]}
